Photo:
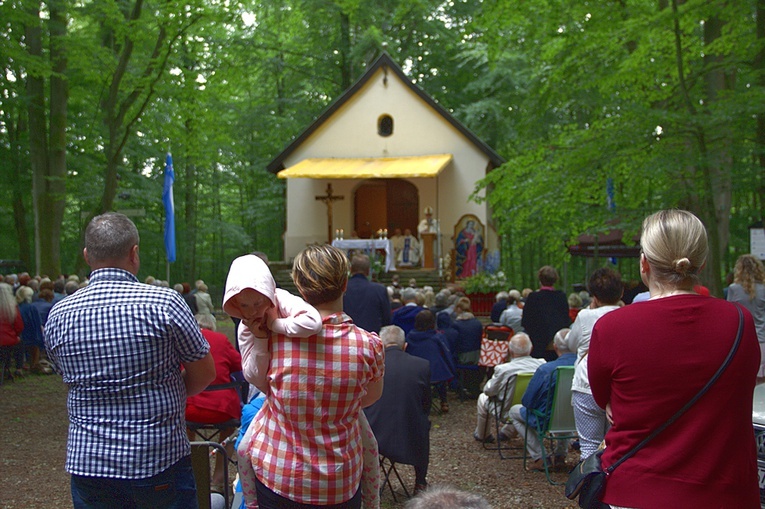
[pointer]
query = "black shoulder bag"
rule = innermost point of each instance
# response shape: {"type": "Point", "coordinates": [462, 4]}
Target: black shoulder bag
{"type": "Point", "coordinates": [588, 479]}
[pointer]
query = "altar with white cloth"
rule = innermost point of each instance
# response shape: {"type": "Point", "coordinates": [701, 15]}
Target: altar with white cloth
{"type": "Point", "coordinates": [368, 245]}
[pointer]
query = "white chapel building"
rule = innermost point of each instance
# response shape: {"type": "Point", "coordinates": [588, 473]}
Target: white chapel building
{"type": "Point", "coordinates": [388, 151]}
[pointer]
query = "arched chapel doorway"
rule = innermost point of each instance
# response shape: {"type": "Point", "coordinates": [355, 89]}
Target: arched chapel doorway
{"type": "Point", "coordinates": [385, 203]}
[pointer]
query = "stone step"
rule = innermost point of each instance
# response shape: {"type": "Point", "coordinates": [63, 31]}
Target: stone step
{"type": "Point", "coordinates": [282, 274]}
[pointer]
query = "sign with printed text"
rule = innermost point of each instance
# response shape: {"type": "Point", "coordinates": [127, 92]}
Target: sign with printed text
{"type": "Point", "coordinates": [757, 242]}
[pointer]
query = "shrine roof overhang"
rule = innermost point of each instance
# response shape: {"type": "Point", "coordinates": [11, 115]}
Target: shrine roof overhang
{"type": "Point", "coordinates": [428, 166]}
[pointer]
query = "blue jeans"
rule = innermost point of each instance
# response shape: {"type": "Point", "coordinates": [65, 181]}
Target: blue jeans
{"type": "Point", "coordinates": [174, 488]}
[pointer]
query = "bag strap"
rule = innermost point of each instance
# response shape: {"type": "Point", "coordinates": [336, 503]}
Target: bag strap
{"type": "Point", "coordinates": [688, 405]}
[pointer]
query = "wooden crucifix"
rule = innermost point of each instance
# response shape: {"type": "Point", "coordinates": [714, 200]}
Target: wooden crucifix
{"type": "Point", "coordinates": [329, 198]}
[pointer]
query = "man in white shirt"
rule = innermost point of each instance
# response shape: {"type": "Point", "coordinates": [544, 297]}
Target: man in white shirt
{"type": "Point", "coordinates": [428, 225]}
{"type": "Point", "coordinates": [520, 362]}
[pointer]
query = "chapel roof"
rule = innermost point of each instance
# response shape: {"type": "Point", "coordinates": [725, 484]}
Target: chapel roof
{"type": "Point", "coordinates": [384, 61]}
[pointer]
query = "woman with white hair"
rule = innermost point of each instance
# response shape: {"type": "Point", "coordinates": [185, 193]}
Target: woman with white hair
{"type": "Point", "coordinates": [11, 325]}
{"type": "Point", "coordinates": [647, 361]}
{"type": "Point", "coordinates": [203, 301]}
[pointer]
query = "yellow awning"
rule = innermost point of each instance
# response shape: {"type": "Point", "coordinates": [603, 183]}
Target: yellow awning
{"type": "Point", "coordinates": [368, 168]}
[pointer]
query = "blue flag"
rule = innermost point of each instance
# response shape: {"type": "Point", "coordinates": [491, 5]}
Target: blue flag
{"type": "Point", "coordinates": [611, 204]}
{"type": "Point", "coordinates": [167, 199]}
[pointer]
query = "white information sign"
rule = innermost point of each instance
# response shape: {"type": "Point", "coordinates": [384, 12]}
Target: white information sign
{"type": "Point", "coordinates": [757, 242]}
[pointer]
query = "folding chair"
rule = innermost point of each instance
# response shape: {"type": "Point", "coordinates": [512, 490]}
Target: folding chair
{"type": "Point", "coordinates": [388, 466]}
{"type": "Point", "coordinates": [200, 464]}
{"type": "Point", "coordinates": [511, 394]}
{"type": "Point", "coordinates": [558, 422]}
{"type": "Point", "coordinates": [211, 432]}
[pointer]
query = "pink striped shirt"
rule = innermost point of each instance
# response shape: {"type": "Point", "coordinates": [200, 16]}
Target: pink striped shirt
{"type": "Point", "coordinates": [306, 445]}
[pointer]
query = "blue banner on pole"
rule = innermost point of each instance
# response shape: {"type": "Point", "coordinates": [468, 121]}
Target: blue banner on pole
{"type": "Point", "coordinates": [611, 204]}
{"type": "Point", "coordinates": [167, 199]}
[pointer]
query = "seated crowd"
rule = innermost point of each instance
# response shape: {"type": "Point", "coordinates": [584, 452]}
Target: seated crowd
{"type": "Point", "coordinates": [32, 298]}
{"type": "Point", "coordinates": [401, 346]}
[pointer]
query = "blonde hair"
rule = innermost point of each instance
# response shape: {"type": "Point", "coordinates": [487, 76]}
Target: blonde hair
{"type": "Point", "coordinates": [430, 298]}
{"type": "Point", "coordinates": [7, 303]}
{"type": "Point", "coordinates": [24, 294]}
{"type": "Point", "coordinates": [674, 243]}
{"type": "Point", "coordinates": [749, 271]}
{"type": "Point", "coordinates": [320, 273]}
{"type": "Point", "coordinates": [513, 297]}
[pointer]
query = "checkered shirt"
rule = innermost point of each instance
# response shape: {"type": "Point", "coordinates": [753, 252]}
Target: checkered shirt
{"type": "Point", "coordinates": [119, 345]}
{"type": "Point", "coordinates": [306, 445]}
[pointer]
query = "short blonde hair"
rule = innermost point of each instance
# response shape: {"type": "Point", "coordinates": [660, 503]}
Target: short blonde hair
{"type": "Point", "coordinates": [674, 242]}
{"type": "Point", "coordinates": [320, 273]}
{"type": "Point", "coordinates": [574, 300]}
{"type": "Point", "coordinates": [24, 294]}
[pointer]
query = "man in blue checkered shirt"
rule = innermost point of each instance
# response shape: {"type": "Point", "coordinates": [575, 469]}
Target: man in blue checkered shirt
{"type": "Point", "coordinates": [120, 345]}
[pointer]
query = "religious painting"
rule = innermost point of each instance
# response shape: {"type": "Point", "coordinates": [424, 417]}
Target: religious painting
{"type": "Point", "coordinates": [469, 235]}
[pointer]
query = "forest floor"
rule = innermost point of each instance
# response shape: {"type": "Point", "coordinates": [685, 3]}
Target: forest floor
{"type": "Point", "coordinates": [34, 432]}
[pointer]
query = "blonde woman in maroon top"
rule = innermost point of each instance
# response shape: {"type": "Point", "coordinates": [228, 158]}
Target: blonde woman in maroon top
{"type": "Point", "coordinates": [647, 360]}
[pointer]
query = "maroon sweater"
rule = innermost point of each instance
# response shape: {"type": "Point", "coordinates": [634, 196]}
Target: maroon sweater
{"type": "Point", "coordinates": [649, 359]}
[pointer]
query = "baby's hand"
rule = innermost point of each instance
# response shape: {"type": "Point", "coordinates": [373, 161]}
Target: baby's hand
{"type": "Point", "coordinates": [257, 327]}
{"type": "Point", "coordinates": [270, 317]}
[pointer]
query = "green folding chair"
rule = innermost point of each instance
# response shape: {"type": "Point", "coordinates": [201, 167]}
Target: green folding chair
{"type": "Point", "coordinates": [558, 422]}
{"type": "Point", "coordinates": [511, 394]}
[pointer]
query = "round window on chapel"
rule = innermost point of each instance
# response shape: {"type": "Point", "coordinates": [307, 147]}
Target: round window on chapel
{"type": "Point", "coordinates": [385, 125]}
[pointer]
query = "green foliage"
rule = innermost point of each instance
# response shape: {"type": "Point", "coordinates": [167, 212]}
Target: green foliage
{"type": "Point", "coordinates": [604, 100]}
{"type": "Point", "coordinates": [572, 94]}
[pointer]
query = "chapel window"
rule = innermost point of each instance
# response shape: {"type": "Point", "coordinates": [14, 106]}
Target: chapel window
{"type": "Point", "coordinates": [385, 125]}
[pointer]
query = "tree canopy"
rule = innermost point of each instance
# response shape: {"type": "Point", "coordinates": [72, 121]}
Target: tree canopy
{"type": "Point", "coordinates": [605, 112]}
